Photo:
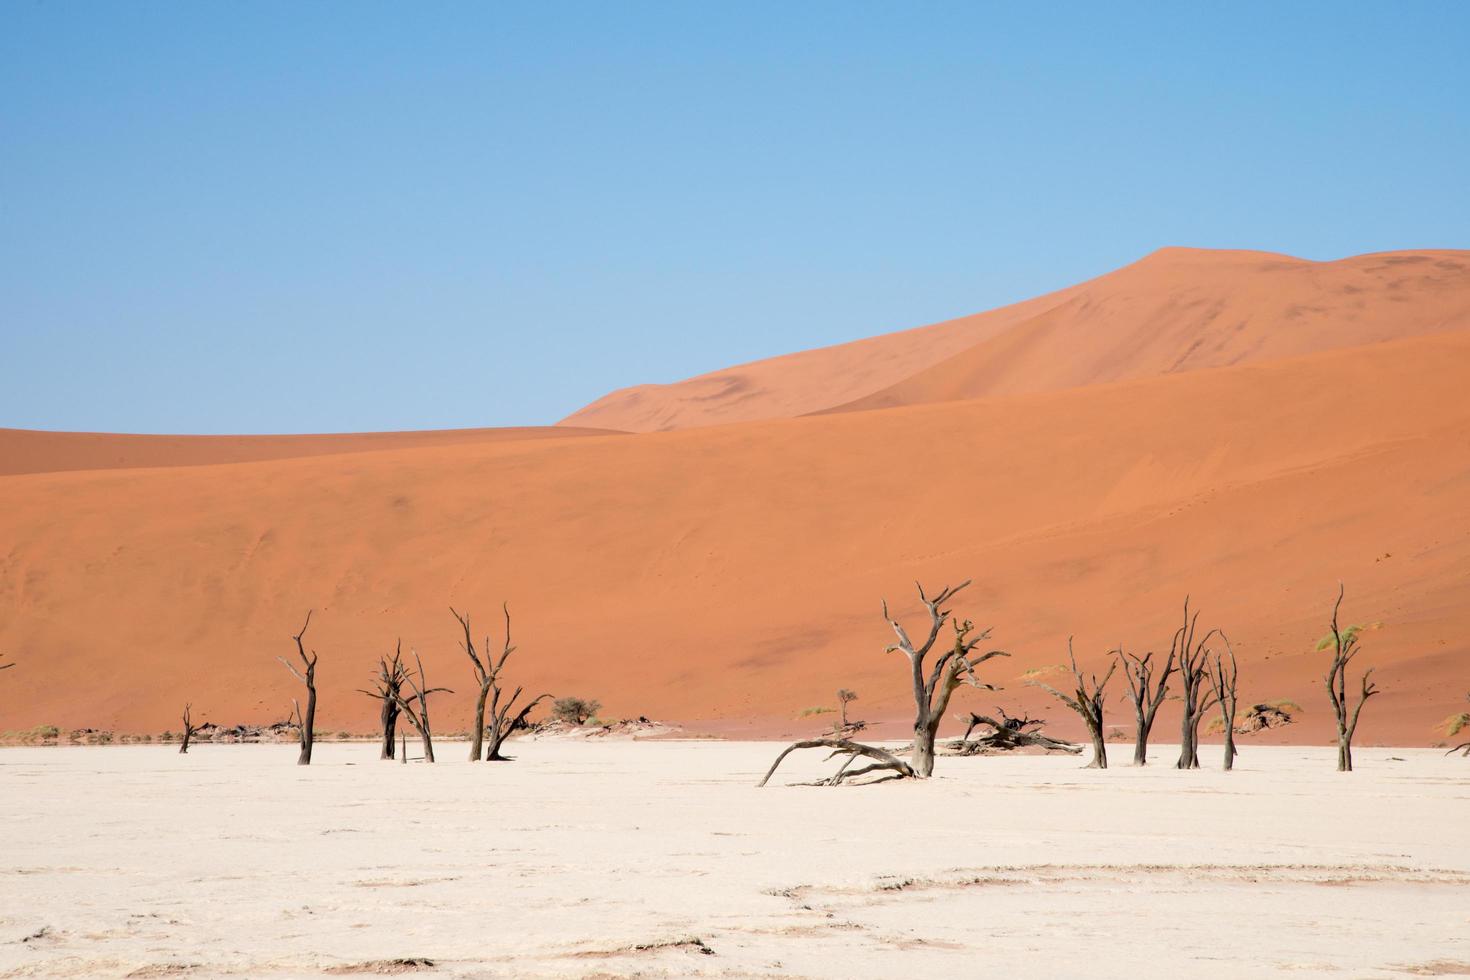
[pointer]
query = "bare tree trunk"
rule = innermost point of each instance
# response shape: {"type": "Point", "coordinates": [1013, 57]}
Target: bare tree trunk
{"type": "Point", "coordinates": [307, 721]}
{"type": "Point", "coordinates": [403, 754]}
{"type": "Point", "coordinates": [388, 716]}
{"type": "Point", "coordinates": [477, 733]}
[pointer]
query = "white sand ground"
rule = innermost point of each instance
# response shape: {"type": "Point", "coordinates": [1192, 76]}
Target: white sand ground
{"type": "Point", "coordinates": [232, 861]}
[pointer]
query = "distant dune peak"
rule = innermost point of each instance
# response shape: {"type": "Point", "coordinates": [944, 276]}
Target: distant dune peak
{"type": "Point", "coordinates": [1175, 309]}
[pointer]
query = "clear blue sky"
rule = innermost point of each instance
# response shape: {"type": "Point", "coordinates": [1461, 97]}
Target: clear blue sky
{"type": "Point", "coordinates": [262, 217]}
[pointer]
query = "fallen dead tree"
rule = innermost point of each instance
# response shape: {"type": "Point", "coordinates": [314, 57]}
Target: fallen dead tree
{"type": "Point", "coordinates": [883, 760]}
{"type": "Point", "coordinates": [1009, 734]}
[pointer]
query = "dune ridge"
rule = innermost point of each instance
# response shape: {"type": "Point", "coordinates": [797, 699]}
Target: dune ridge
{"type": "Point", "coordinates": [1175, 310]}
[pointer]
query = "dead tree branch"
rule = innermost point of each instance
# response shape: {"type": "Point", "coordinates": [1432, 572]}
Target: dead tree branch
{"type": "Point", "coordinates": [1009, 734]}
{"type": "Point", "coordinates": [883, 760]}
{"type": "Point", "coordinates": [307, 721]}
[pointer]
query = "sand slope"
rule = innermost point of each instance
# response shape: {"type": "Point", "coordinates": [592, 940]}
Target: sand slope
{"type": "Point", "coordinates": [31, 451]}
{"type": "Point", "coordinates": [1175, 310]}
{"type": "Point", "coordinates": [730, 575]}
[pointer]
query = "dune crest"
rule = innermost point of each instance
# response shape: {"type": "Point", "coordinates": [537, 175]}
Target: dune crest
{"type": "Point", "coordinates": [1175, 310]}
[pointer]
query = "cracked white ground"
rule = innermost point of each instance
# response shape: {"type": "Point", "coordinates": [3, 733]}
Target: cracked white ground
{"type": "Point", "coordinates": [662, 859]}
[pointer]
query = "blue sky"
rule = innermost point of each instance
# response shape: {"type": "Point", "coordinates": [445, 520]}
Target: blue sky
{"type": "Point", "coordinates": [263, 217]}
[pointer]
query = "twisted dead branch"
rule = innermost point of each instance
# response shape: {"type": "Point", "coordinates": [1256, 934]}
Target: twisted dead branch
{"type": "Point", "coordinates": [883, 760]}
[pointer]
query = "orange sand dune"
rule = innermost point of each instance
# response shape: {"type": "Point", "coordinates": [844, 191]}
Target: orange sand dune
{"type": "Point", "coordinates": [1176, 310]}
{"type": "Point", "coordinates": [32, 451]}
{"type": "Point", "coordinates": [729, 576]}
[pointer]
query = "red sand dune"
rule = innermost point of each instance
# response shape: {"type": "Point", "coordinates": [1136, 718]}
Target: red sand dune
{"type": "Point", "coordinates": [1176, 310]}
{"type": "Point", "coordinates": [729, 576]}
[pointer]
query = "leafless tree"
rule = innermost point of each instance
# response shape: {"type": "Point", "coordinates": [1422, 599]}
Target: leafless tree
{"type": "Point", "coordinates": [307, 721]}
{"type": "Point", "coordinates": [190, 729]}
{"type": "Point", "coordinates": [1222, 687]}
{"type": "Point", "coordinates": [388, 684]}
{"type": "Point", "coordinates": [1088, 704]}
{"type": "Point", "coordinates": [419, 717]}
{"type": "Point", "coordinates": [953, 668]}
{"type": "Point", "coordinates": [1194, 666]}
{"type": "Point", "coordinates": [1010, 733]}
{"type": "Point", "coordinates": [1146, 692]}
{"type": "Point", "coordinates": [931, 693]}
{"type": "Point", "coordinates": [504, 717]}
{"type": "Point", "coordinates": [1344, 645]}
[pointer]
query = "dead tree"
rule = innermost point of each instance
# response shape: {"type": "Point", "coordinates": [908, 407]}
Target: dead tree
{"type": "Point", "coordinates": [1222, 687]}
{"type": "Point", "coordinates": [1344, 644]}
{"type": "Point", "coordinates": [504, 715]}
{"type": "Point", "coordinates": [307, 721]}
{"type": "Point", "coordinates": [419, 717]}
{"type": "Point", "coordinates": [931, 693]}
{"type": "Point", "coordinates": [189, 731]}
{"type": "Point", "coordinates": [1088, 704]}
{"type": "Point", "coordinates": [883, 760]}
{"type": "Point", "coordinates": [844, 698]}
{"type": "Point", "coordinates": [1194, 665]}
{"type": "Point", "coordinates": [953, 668]}
{"type": "Point", "coordinates": [1146, 692]}
{"type": "Point", "coordinates": [389, 685]}
{"type": "Point", "coordinates": [487, 674]}
{"type": "Point", "coordinates": [1010, 733]}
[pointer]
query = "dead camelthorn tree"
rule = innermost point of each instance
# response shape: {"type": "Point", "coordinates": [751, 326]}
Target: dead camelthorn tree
{"type": "Point", "coordinates": [1344, 644]}
{"type": "Point", "coordinates": [1146, 692]}
{"type": "Point", "coordinates": [419, 717]}
{"type": "Point", "coordinates": [389, 683]}
{"type": "Point", "coordinates": [932, 693]}
{"type": "Point", "coordinates": [504, 716]}
{"type": "Point", "coordinates": [954, 667]}
{"type": "Point", "coordinates": [307, 721]}
{"type": "Point", "coordinates": [1222, 686]}
{"type": "Point", "coordinates": [487, 674]}
{"type": "Point", "coordinates": [1088, 704]}
{"type": "Point", "coordinates": [1194, 666]}
{"type": "Point", "coordinates": [190, 729]}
